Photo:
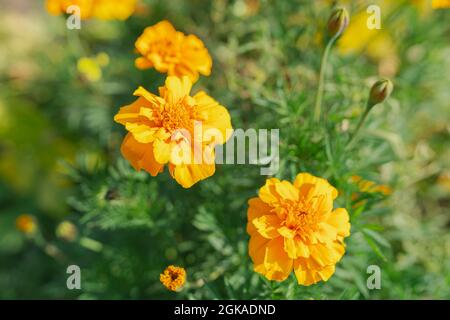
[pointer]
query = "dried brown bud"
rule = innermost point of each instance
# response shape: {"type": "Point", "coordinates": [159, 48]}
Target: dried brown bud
{"type": "Point", "coordinates": [338, 22]}
{"type": "Point", "coordinates": [380, 91]}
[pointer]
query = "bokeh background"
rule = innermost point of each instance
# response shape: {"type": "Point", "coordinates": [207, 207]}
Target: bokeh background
{"type": "Point", "coordinates": [60, 158]}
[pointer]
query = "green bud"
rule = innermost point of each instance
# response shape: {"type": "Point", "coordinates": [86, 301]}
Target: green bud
{"type": "Point", "coordinates": [338, 22]}
{"type": "Point", "coordinates": [380, 91]}
{"type": "Point", "coordinates": [67, 231]}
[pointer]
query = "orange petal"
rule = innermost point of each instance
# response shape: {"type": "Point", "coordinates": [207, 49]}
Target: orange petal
{"type": "Point", "coordinates": [257, 249]}
{"type": "Point", "coordinates": [256, 209]}
{"type": "Point", "coordinates": [140, 155]}
{"type": "Point", "coordinates": [277, 264]}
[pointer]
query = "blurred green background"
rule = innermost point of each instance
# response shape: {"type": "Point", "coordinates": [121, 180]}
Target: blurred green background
{"type": "Point", "coordinates": [60, 158]}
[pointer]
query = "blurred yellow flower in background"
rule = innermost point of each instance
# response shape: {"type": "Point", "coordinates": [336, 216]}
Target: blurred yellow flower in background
{"type": "Point", "coordinates": [438, 4]}
{"type": "Point", "coordinates": [173, 278]}
{"type": "Point", "coordinates": [67, 231]}
{"type": "Point", "coordinates": [162, 127]}
{"type": "Point", "coordinates": [172, 52]}
{"type": "Point", "coordinates": [294, 227]}
{"type": "Point", "coordinates": [91, 68]}
{"type": "Point", "coordinates": [376, 44]}
{"type": "Point", "coordinates": [370, 186]}
{"type": "Point", "coordinates": [101, 9]}
{"type": "Point", "coordinates": [26, 224]}
{"type": "Point", "coordinates": [367, 186]}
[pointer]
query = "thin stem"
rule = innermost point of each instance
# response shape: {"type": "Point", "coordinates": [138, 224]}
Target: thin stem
{"type": "Point", "coordinates": [358, 127]}
{"type": "Point", "coordinates": [323, 67]}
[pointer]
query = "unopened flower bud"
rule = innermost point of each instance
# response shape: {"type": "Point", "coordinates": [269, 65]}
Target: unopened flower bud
{"type": "Point", "coordinates": [380, 91]}
{"type": "Point", "coordinates": [26, 224]}
{"type": "Point", "coordinates": [338, 22]}
{"type": "Point", "coordinates": [67, 231]}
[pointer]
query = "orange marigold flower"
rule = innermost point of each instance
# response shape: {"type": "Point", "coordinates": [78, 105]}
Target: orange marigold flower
{"type": "Point", "coordinates": [368, 186]}
{"type": "Point", "coordinates": [173, 278]}
{"type": "Point", "coordinates": [101, 9]}
{"type": "Point", "coordinates": [172, 52]}
{"type": "Point", "coordinates": [294, 227]}
{"type": "Point", "coordinates": [175, 129]}
{"type": "Point", "coordinates": [26, 223]}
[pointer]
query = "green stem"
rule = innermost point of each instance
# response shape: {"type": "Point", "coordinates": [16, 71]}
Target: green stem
{"type": "Point", "coordinates": [323, 67]}
{"type": "Point", "coordinates": [91, 244]}
{"type": "Point", "coordinates": [351, 140]}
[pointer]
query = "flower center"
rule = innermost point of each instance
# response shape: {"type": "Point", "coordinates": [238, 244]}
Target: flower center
{"type": "Point", "coordinates": [176, 116]}
{"type": "Point", "coordinates": [301, 214]}
{"type": "Point", "coordinates": [173, 275]}
{"type": "Point", "coordinates": [167, 49]}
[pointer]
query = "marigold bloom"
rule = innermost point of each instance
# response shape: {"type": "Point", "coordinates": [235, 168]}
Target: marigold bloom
{"type": "Point", "coordinates": [101, 9]}
{"type": "Point", "coordinates": [367, 186]}
{"type": "Point", "coordinates": [26, 223]}
{"type": "Point", "coordinates": [173, 278]}
{"type": "Point", "coordinates": [172, 52]}
{"type": "Point", "coordinates": [370, 186]}
{"type": "Point", "coordinates": [175, 129]}
{"type": "Point", "coordinates": [294, 227]}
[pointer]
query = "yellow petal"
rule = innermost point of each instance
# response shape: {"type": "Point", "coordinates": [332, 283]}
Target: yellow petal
{"type": "Point", "coordinates": [321, 185]}
{"type": "Point", "coordinates": [268, 193]}
{"type": "Point", "coordinates": [177, 88]}
{"type": "Point", "coordinates": [326, 233]}
{"type": "Point", "coordinates": [141, 132]}
{"type": "Point", "coordinates": [307, 276]}
{"type": "Point", "coordinates": [189, 174]}
{"type": "Point", "coordinates": [130, 113]}
{"type": "Point", "coordinates": [213, 116]}
{"type": "Point", "coordinates": [267, 225]}
{"type": "Point", "coordinates": [286, 190]}
{"type": "Point", "coordinates": [339, 219]}
{"type": "Point", "coordinates": [162, 151]}
{"type": "Point", "coordinates": [295, 247]}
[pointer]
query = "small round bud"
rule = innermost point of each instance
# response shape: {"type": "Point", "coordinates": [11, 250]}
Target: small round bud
{"type": "Point", "coordinates": [26, 224]}
{"type": "Point", "coordinates": [338, 22]}
{"type": "Point", "coordinates": [67, 231]}
{"type": "Point", "coordinates": [380, 91]}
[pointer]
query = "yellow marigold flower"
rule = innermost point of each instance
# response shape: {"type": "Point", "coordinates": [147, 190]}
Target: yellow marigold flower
{"type": "Point", "coordinates": [378, 45]}
{"type": "Point", "coordinates": [172, 52]}
{"type": "Point", "coordinates": [26, 223]}
{"type": "Point", "coordinates": [174, 129]}
{"type": "Point", "coordinates": [101, 9]}
{"type": "Point", "coordinates": [173, 278]}
{"type": "Point", "coordinates": [294, 227]}
{"type": "Point", "coordinates": [438, 4]}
